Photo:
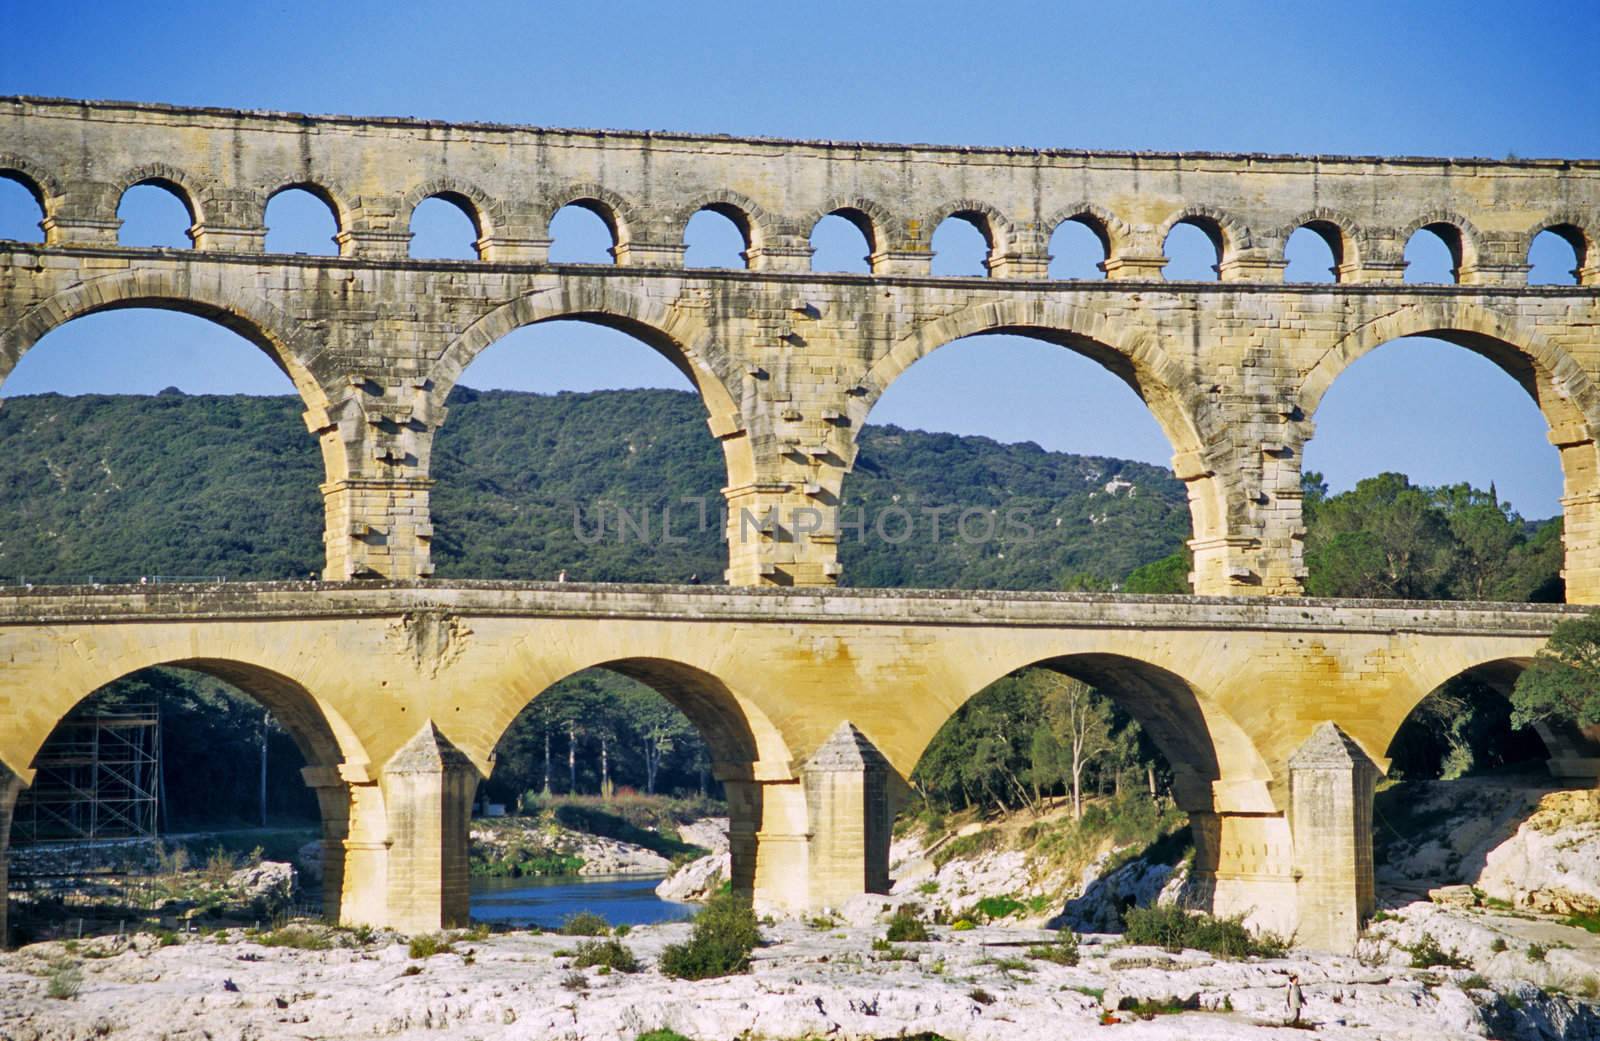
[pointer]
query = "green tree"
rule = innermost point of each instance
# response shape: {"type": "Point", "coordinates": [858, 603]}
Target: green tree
{"type": "Point", "coordinates": [1485, 533]}
{"type": "Point", "coordinates": [1044, 766]}
{"type": "Point", "coordinates": [1563, 682]}
{"type": "Point", "coordinates": [1170, 574]}
{"type": "Point", "coordinates": [1083, 723]}
{"type": "Point", "coordinates": [657, 729]}
{"type": "Point", "coordinates": [1386, 538]}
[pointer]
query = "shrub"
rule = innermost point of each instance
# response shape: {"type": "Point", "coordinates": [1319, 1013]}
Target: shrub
{"type": "Point", "coordinates": [962, 925]}
{"type": "Point", "coordinates": [412, 970]}
{"type": "Point", "coordinates": [981, 996]}
{"type": "Point", "coordinates": [1175, 929]}
{"type": "Point", "coordinates": [295, 937]}
{"type": "Point", "coordinates": [906, 927]}
{"type": "Point", "coordinates": [993, 907]}
{"type": "Point", "coordinates": [608, 954]}
{"type": "Point", "coordinates": [661, 1035]}
{"type": "Point", "coordinates": [1063, 952]}
{"type": "Point", "coordinates": [574, 981]}
{"type": "Point", "coordinates": [65, 983]}
{"type": "Point", "coordinates": [1537, 951]}
{"type": "Point", "coordinates": [1426, 953]}
{"type": "Point", "coordinates": [585, 923]}
{"type": "Point", "coordinates": [427, 945]}
{"type": "Point", "coordinates": [171, 860]}
{"type": "Point", "coordinates": [724, 935]}
{"type": "Point", "coordinates": [220, 864]}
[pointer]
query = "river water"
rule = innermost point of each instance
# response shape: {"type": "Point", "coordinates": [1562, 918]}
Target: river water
{"type": "Point", "coordinates": [546, 902]}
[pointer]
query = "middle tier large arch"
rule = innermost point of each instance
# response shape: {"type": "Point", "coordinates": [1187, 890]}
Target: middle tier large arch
{"type": "Point", "coordinates": [1170, 390]}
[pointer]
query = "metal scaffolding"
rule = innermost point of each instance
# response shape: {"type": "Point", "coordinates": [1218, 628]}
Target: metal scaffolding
{"type": "Point", "coordinates": [99, 777]}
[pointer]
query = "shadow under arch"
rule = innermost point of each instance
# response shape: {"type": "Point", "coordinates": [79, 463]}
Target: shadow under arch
{"type": "Point", "coordinates": [255, 320]}
{"type": "Point", "coordinates": [645, 320]}
{"type": "Point", "coordinates": [318, 730]}
{"type": "Point", "coordinates": [1204, 746]}
{"type": "Point", "coordinates": [738, 733]}
{"type": "Point", "coordinates": [1573, 751]}
{"type": "Point", "coordinates": [1201, 742]}
{"type": "Point", "coordinates": [1167, 390]}
{"type": "Point", "coordinates": [322, 736]}
{"type": "Point", "coordinates": [746, 748]}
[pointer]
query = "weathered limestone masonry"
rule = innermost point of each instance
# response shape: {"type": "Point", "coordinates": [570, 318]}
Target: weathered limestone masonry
{"type": "Point", "coordinates": [787, 361]}
{"type": "Point", "coordinates": [1274, 712]}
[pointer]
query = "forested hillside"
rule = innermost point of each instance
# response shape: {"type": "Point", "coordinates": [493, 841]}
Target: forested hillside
{"type": "Point", "coordinates": [529, 485]}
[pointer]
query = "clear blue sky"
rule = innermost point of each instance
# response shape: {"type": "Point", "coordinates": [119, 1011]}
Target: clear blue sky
{"type": "Point", "coordinates": [1420, 78]}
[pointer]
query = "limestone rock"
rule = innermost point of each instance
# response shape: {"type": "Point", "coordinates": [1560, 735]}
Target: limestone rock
{"type": "Point", "coordinates": [1453, 896]}
{"type": "Point", "coordinates": [270, 878]}
{"type": "Point", "coordinates": [709, 833]}
{"type": "Point", "coordinates": [1552, 863]}
{"type": "Point", "coordinates": [697, 880]}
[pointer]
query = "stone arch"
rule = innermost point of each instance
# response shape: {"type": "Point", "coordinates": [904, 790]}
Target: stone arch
{"type": "Point", "coordinates": [736, 730]}
{"type": "Point", "coordinates": [1556, 382]}
{"type": "Point", "coordinates": [1137, 358]}
{"type": "Point", "coordinates": [190, 191]}
{"type": "Point", "coordinates": [39, 182]}
{"type": "Point", "coordinates": [1558, 385]}
{"type": "Point", "coordinates": [331, 195]}
{"type": "Point", "coordinates": [997, 229]}
{"type": "Point", "coordinates": [1343, 235]}
{"type": "Point", "coordinates": [1229, 235]}
{"type": "Point", "coordinates": [323, 736]}
{"type": "Point", "coordinates": [871, 218]}
{"type": "Point", "coordinates": [682, 341]}
{"type": "Point", "coordinates": [619, 213]}
{"type": "Point", "coordinates": [1497, 667]}
{"type": "Point", "coordinates": [485, 213]}
{"type": "Point", "coordinates": [753, 222]}
{"type": "Point", "coordinates": [258, 321]}
{"type": "Point", "coordinates": [1462, 239]}
{"type": "Point", "coordinates": [1208, 750]}
{"type": "Point", "coordinates": [319, 730]}
{"type": "Point", "coordinates": [1577, 229]}
{"type": "Point", "coordinates": [1112, 231]}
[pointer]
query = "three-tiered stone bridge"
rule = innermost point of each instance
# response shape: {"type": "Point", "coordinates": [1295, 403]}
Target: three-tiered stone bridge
{"type": "Point", "coordinates": [1275, 711]}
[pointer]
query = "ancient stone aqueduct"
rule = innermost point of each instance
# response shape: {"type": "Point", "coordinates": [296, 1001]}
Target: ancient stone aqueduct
{"type": "Point", "coordinates": [1276, 711]}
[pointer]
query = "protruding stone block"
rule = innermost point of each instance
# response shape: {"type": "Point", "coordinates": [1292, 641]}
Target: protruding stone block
{"type": "Point", "coordinates": [1331, 782]}
{"type": "Point", "coordinates": [847, 800]}
{"type": "Point", "coordinates": [427, 790]}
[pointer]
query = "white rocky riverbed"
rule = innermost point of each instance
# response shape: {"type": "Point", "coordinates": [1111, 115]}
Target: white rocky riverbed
{"type": "Point", "coordinates": [1534, 856]}
{"type": "Point", "coordinates": [965, 986]}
